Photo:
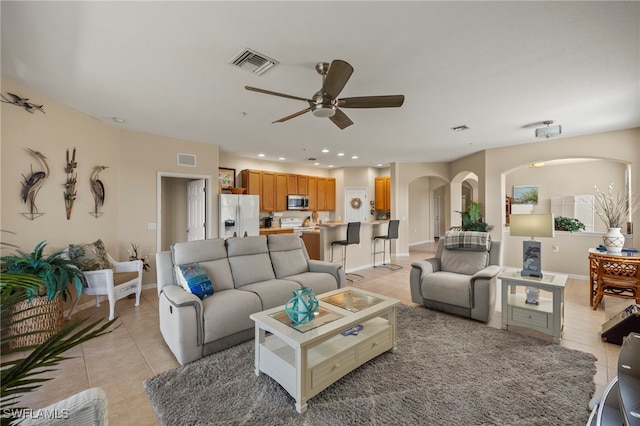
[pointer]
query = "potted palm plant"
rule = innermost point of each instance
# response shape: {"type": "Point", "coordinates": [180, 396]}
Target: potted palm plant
{"type": "Point", "coordinates": [23, 374]}
{"type": "Point", "coordinates": [472, 218]}
{"type": "Point", "coordinates": [40, 314]}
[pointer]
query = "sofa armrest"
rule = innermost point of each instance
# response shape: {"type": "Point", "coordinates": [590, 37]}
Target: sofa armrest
{"type": "Point", "coordinates": [100, 280]}
{"type": "Point", "coordinates": [129, 266]}
{"type": "Point", "coordinates": [427, 266]}
{"type": "Point", "coordinates": [178, 297]}
{"type": "Point", "coordinates": [418, 270]}
{"type": "Point", "coordinates": [181, 323]}
{"type": "Point", "coordinates": [489, 272]}
{"type": "Point", "coordinates": [333, 268]}
{"type": "Point", "coordinates": [89, 407]}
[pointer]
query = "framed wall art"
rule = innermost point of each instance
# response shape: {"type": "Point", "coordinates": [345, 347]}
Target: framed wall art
{"type": "Point", "coordinates": [525, 194]}
{"type": "Point", "coordinates": [226, 178]}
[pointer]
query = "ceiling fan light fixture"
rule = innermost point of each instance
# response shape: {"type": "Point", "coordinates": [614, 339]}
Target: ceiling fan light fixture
{"type": "Point", "coordinates": [324, 110]}
{"type": "Point", "coordinates": [549, 131]}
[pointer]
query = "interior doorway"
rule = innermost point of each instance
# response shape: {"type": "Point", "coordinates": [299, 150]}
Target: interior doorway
{"type": "Point", "coordinates": [356, 205]}
{"type": "Point", "coordinates": [196, 210]}
{"type": "Point", "coordinates": [172, 209]}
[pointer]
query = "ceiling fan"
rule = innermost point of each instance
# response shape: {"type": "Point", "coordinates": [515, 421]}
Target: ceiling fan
{"type": "Point", "coordinates": [324, 102]}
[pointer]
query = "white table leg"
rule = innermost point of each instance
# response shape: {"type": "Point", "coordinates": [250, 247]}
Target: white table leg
{"type": "Point", "coordinates": [260, 336]}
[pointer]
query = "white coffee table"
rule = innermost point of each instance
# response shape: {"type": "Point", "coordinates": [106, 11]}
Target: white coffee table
{"type": "Point", "coordinates": [307, 358]}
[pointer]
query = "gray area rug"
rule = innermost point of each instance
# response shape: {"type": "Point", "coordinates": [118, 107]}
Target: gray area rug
{"type": "Point", "coordinates": [446, 371]}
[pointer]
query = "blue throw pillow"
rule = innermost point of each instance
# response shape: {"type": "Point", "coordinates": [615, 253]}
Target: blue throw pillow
{"type": "Point", "coordinates": [195, 280]}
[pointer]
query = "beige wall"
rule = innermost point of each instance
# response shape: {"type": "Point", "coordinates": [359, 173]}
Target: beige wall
{"type": "Point", "coordinates": [402, 174]}
{"type": "Point", "coordinates": [567, 179]}
{"type": "Point", "coordinates": [134, 159]}
{"type": "Point", "coordinates": [614, 147]}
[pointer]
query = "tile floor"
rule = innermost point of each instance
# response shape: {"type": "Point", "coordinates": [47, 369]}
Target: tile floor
{"type": "Point", "coordinates": [121, 361]}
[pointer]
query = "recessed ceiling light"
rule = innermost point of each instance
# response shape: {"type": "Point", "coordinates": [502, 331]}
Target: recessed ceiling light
{"type": "Point", "coordinates": [281, 158]}
{"type": "Point", "coordinates": [330, 165]}
{"type": "Point", "coordinates": [355, 157]}
{"type": "Point", "coordinates": [316, 164]}
{"type": "Point", "coordinates": [340, 154]}
{"type": "Point", "coordinates": [261, 155]}
{"type": "Point", "coordinates": [379, 164]}
{"type": "Point", "coordinates": [118, 120]}
{"type": "Point", "coordinates": [460, 128]}
{"type": "Point", "coordinates": [325, 150]}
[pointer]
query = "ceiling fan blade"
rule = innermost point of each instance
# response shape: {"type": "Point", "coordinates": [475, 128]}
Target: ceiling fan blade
{"type": "Point", "coordinates": [269, 92]}
{"type": "Point", "coordinates": [388, 101]}
{"type": "Point", "coordinates": [336, 78]}
{"type": "Point", "coordinates": [341, 120]}
{"type": "Point", "coordinates": [289, 117]}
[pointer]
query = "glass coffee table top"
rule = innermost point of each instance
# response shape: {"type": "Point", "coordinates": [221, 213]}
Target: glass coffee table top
{"type": "Point", "coordinates": [322, 317]}
{"type": "Point", "coordinates": [352, 300]}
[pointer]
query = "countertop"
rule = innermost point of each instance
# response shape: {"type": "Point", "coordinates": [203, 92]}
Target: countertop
{"type": "Point", "coordinates": [336, 224]}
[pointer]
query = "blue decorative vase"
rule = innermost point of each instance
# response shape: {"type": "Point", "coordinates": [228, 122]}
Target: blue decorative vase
{"type": "Point", "coordinates": [302, 306]}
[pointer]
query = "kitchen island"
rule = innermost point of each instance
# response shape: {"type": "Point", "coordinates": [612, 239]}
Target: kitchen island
{"type": "Point", "coordinates": [318, 242]}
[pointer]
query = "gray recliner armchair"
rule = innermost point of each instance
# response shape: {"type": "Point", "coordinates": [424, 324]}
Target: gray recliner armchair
{"type": "Point", "coordinates": [462, 277]}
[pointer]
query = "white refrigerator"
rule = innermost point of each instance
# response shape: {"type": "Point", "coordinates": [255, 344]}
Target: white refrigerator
{"type": "Point", "coordinates": [238, 214]}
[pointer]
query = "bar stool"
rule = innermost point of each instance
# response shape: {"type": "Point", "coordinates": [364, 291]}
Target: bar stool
{"type": "Point", "coordinates": [392, 234]}
{"type": "Point", "coordinates": [353, 237]}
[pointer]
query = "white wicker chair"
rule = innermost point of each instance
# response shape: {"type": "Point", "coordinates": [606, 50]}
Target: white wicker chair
{"type": "Point", "coordinates": [116, 284]}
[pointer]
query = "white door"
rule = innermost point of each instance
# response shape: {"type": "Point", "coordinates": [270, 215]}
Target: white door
{"type": "Point", "coordinates": [356, 205]}
{"type": "Point", "coordinates": [196, 210]}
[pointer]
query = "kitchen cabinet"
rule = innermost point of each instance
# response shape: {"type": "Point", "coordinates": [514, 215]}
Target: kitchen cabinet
{"type": "Point", "coordinates": [292, 185]}
{"type": "Point", "coordinates": [321, 194]}
{"type": "Point", "coordinates": [312, 192]}
{"type": "Point", "coordinates": [331, 194]}
{"type": "Point", "coordinates": [268, 193]}
{"type": "Point", "coordinates": [282, 190]}
{"type": "Point", "coordinates": [273, 188]}
{"type": "Point", "coordinates": [312, 243]}
{"type": "Point", "coordinates": [303, 182]}
{"type": "Point", "coordinates": [251, 180]}
{"type": "Point", "coordinates": [383, 193]}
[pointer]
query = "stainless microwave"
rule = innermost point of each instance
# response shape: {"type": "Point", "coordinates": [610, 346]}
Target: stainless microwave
{"type": "Point", "coordinates": [297, 202]}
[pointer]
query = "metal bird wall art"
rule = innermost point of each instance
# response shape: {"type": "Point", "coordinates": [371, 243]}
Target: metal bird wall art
{"type": "Point", "coordinates": [70, 185]}
{"type": "Point", "coordinates": [31, 185]}
{"type": "Point", "coordinates": [22, 102]}
{"type": "Point", "coordinates": [97, 189]}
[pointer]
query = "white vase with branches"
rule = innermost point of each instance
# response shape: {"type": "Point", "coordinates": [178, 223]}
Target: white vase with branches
{"type": "Point", "coordinates": [614, 209]}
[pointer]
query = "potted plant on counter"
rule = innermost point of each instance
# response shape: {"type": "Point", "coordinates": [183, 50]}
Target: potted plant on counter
{"type": "Point", "coordinates": [570, 224]}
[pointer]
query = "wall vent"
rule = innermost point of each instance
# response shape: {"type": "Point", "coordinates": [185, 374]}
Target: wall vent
{"type": "Point", "coordinates": [253, 61]}
{"type": "Point", "coordinates": [187, 160]}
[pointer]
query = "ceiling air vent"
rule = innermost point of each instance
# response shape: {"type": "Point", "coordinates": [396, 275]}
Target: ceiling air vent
{"type": "Point", "coordinates": [188, 160]}
{"type": "Point", "coordinates": [253, 61]}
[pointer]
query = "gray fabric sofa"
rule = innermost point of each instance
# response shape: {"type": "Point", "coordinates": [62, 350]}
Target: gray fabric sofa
{"type": "Point", "coordinates": [458, 281]}
{"type": "Point", "coordinates": [249, 275]}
